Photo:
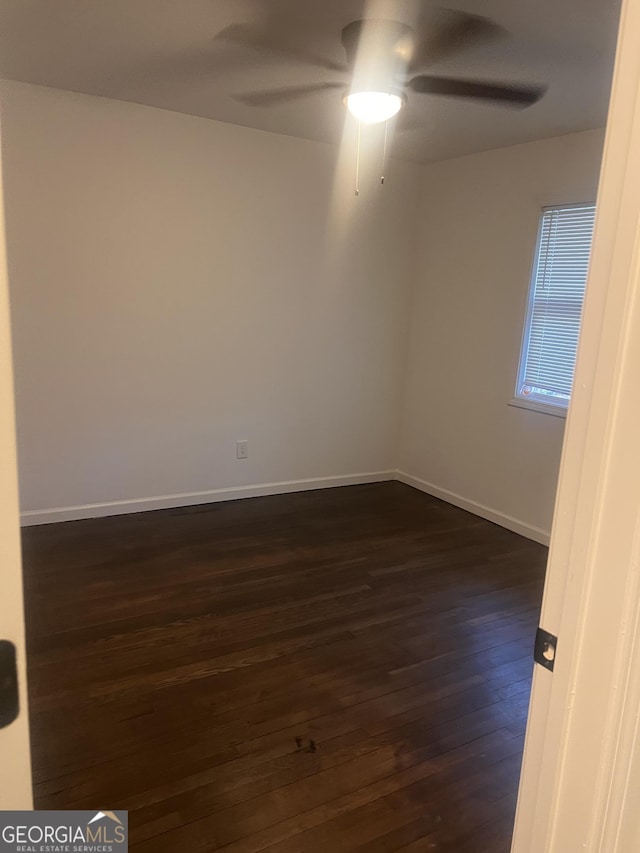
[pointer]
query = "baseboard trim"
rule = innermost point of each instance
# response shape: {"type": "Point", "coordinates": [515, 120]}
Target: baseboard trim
{"type": "Point", "coordinates": [99, 510]}
{"type": "Point", "coordinates": [501, 518]}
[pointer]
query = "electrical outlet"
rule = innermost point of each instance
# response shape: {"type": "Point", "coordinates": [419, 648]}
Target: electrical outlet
{"type": "Point", "coordinates": [242, 449]}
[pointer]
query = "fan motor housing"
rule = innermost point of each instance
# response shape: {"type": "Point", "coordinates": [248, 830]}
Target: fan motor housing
{"type": "Point", "coordinates": [378, 52]}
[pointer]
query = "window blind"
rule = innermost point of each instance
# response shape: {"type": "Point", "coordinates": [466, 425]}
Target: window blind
{"type": "Point", "coordinates": [557, 290]}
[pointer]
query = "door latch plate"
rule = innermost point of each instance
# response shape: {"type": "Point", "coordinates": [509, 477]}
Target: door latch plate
{"type": "Point", "coordinates": [545, 649]}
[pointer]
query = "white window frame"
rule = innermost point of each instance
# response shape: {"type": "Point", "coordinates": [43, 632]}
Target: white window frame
{"type": "Point", "coordinates": [557, 408]}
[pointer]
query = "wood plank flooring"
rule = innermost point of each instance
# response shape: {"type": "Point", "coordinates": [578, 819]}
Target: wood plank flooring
{"type": "Point", "coordinates": [342, 670]}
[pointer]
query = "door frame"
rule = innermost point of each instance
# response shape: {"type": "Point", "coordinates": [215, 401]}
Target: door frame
{"type": "Point", "coordinates": [15, 766]}
{"type": "Point", "coordinates": [581, 754]}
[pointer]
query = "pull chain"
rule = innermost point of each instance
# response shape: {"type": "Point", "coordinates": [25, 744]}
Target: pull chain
{"type": "Point", "coordinates": [384, 150]}
{"type": "Point", "coordinates": [357, 192]}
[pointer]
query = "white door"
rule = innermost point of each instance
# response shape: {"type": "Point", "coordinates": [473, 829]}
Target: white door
{"type": "Point", "coordinates": [582, 756]}
{"type": "Point", "coordinates": [15, 764]}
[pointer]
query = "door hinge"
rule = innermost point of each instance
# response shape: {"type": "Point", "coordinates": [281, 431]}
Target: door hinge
{"type": "Point", "coordinates": [545, 649]}
{"type": "Point", "coordinates": [9, 704]}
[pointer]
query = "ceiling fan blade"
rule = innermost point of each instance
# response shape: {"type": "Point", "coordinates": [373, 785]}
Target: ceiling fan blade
{"type": "Point", "coordinates": [503, 93]}
{"type": "Point", "coordinates": [248, 35]}
{"type": "Point", "coordinates": [447, 31]}
{"type": "Point", "coordinates": [283, 96]}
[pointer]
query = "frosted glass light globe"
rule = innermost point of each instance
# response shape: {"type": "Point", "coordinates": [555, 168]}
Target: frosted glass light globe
{"type": "Point", "coordinates": [373, 107]}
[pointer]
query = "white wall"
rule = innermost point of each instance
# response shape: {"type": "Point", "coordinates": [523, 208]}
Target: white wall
{"type": "Point", "coordinates": [477, 234]}
{"type": "Point", "coordinates": [178, 284]}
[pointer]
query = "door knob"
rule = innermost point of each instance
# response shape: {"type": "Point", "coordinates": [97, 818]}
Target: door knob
{"type": "Point", "coordinates": [9, 704]}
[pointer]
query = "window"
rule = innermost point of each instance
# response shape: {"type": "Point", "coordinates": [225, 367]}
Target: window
{"type": "Point", "coordinates": [556, 294]}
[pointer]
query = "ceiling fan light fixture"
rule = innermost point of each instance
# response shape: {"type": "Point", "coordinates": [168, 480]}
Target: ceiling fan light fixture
{"type": "Point", "coordinates": [374, 107]}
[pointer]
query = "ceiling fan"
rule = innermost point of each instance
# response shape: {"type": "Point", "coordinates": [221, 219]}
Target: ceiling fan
{"type": "Point", "coordinates": [383, 58]}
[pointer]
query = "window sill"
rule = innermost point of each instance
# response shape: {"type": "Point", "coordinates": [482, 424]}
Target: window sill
{"type": "Point", "coordinates": [541, 408]}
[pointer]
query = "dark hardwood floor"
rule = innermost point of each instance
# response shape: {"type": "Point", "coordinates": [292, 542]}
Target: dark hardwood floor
{"type": "Point", "coordinates": [346, 669]}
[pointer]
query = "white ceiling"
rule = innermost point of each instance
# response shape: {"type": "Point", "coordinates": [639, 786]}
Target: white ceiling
{"type": "Point", "coordinates": [164, 53]}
